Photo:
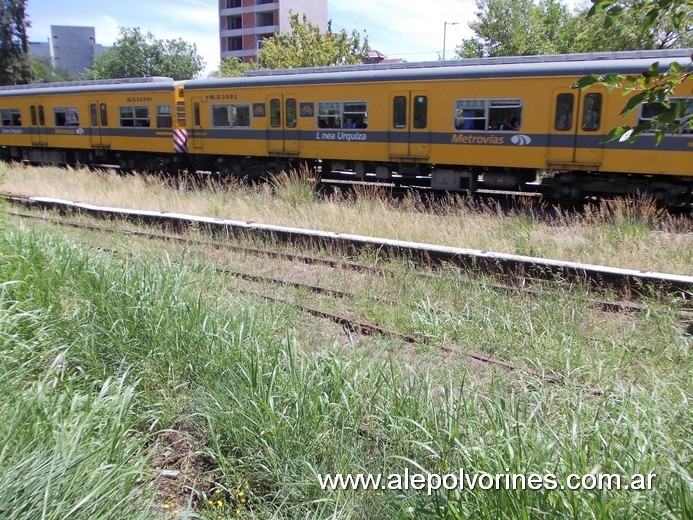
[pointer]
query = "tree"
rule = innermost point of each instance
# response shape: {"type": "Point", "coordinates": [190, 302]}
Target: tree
{"type": "Point", "coordinates": [136, 55]}
{"type": "Point", "coordinates": [43, 71]}
{"type": "Point", "coordinates": [231, 67]}
{"type": "Point", "coordinates": [529, 27]}
{"type": "Point", "coordinates": [306, 46]}
{"type": "Point", "coordinates": [672, 20]}
{"type": "Point", "coordinates": [14, 46]}
{"type": "Point", "coordinates": [519, 28]}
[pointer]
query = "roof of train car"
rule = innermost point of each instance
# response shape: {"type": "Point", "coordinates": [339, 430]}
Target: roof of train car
{"type": "Point", "coordinates": [79, 87]}
{"type": "Point", "coordinates": [634, 62]}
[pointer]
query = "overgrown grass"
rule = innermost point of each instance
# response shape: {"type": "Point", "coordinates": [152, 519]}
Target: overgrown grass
{"type": "Point", "coordinates": [630, 233]}
{"type": "Point", "coordinates": [99, 355]}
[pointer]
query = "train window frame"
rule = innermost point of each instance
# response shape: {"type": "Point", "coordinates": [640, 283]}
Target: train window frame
{"type": "Point", "coordinates": [94, 115]}
{"type": "Point", "coordinates": [164, 116]}
{"type": "Point", "coordinates": [420, 112]}
{"type": "Point", "coordinates": [11, 117]}
{"type": "Point", "coordinates": [235, 115]}
{"type": "Point", "coordinates": [65, 116]}
{"type": "Point", "coordinates": [103, 114]}
{"type": "Point", "coordinates": [655, 109]}
{"type": "Point", "coordinates": [565, 107]}
{"type": "Point", "coordinates": [592, 112]}
{"type": "Point", "coordinates": [399, 112]}
{"type": "Point", "coordinates": [134, 116]}
{"type": "Point", "coordinates": [488, 114]}
{"type": "Point", "coordinates": [291, 113]}
{"type": "Point", "coordinates": [275, 108]}
{"type": "Point", "coordinates": [334, 115]}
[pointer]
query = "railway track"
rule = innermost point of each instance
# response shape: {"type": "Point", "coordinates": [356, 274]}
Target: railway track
{"type": "Point", "coordinates": [507, 266]}
{"type": "Point", "coordinates": [349, 323]}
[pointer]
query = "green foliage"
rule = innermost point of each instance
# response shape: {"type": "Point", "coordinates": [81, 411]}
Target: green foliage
{"type": "Point", "coordinates": [518, 28]}
{"type": "Point", "coordinates": [672, 20]}
{"type": "Point", "coordinates": [14, 46]}
{"type": "Point", "coordinates": [531, 27]}
{"type": "Point", "coordinates": [231, 68]}
{"type": "Point", "coordinates": [43, 71]}
{"type": "Point", "coordinates": [136, 55]}
{"type": "Point", "coordinates": [306, 46]}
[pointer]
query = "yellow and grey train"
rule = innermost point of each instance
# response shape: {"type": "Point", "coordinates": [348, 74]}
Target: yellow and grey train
{"type": "Point", "coordinates": [499, 123]}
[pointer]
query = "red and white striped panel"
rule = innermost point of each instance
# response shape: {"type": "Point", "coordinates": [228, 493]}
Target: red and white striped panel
{"type": "Point", "coordinates": [180, 140]}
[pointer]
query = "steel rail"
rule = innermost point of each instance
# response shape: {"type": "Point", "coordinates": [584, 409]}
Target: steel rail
{"type": "Point", "coordinates": [488, 262]}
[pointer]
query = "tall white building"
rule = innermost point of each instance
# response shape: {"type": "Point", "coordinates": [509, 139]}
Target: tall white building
{"type": "Point", "coordinates": [243, 24]}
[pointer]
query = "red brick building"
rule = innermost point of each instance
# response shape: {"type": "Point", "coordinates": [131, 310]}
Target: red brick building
{"type": "Point", "coordinates": [243, 24]}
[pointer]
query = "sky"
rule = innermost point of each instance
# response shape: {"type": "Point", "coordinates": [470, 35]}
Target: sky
{"type": "Point", "coordinates": [408, 29]}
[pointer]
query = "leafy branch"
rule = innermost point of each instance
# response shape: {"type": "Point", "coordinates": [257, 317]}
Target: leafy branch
{"type": "Point", "coordinates": [653, 87]}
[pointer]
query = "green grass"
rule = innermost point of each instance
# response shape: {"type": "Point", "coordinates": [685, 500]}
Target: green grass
{"type": "Point", "coordinates": [100, 355]}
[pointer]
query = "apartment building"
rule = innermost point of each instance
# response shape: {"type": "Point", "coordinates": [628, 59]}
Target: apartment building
{"type": "Point", "coordinates": [243, 24]}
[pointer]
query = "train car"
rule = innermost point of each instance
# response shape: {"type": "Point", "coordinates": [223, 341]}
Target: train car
{"type": "Point", "coordinates": [132, 123]}
{"type": "Point", "coordinates": [493, 123]}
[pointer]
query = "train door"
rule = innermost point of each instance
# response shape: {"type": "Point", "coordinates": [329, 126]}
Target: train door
{"type": "Point", "coordinates": [409, 135]}
{"type": "Point", "coordinates": [38, 124]}
{"type": "Point", "coordinates": [197, 135]}
{"type": "Point", "coordinates": [574, 136]}
{"type": "Point", "coordinates": [283, 134]}
{"type": "Point", "coordinates": [99, 133]}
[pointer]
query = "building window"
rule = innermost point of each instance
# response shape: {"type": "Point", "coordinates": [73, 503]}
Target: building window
{"type": "Point", "coordinates": [164, 117]}
{"type": "Point", "coordinates": [66, 117]}
{"type": "Point", "coordinates": [134, 116]}
{"type": "Point", "coordinates": [11, 117]}
{"type": "Point", "coordinates": [234, 23]}
{"type": "Point", "coordinates": [264, 19]}
{"type": "Point", "coordinates": [488, 114]}
{"type": "Point", "coordinates": [231, 116]}
{"type": "Point", "coordinates": [260, 2]}
{"type": "Point", "coordinates": [234, 43]}
{"type": "Point", "coordinates": [232, 4]}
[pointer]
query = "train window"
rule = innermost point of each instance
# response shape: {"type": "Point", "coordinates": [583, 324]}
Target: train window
{"type": "Point", "coordinates": [682, 107]}
{"type": "Point", "coordinates": [41, 116]}
{"type": "Point", "coordinates": [564, 112]}
{"type": "Point", "coordinates": [343, 114]}
{"type": "Point", "coordinates": [220, 115]}
{"type": "Point", "coordinates": [66, 116]}
{"type": "Point", "coordinates": [230, 115]}
{"type": "Point", "coordinates": [592, 111]}
{"type": "Point", "coordinates": [291, 113]}
{"type": "Point", "coordinates": [241, 115]}
{"type": "Point", "coordinates": [420, 111]}
{"type": "Point", "coordinates": [355, 114]}
{"type": "Point", "coordinates": [135, 116]}
{"type": "Point", "coordinates": [93, 114]}
{"type": "Point", "coordinates": [164, 116]}
{"type": "Point", "coordinates": [488, 114]}
{"type": "Point", "coordinates": [104, 114]}
{"type": "Point", "coordinates": [32, 111]}
{"type": "Point", "coordinates": [275, 113]}
{"type": "Point", "coordinates": [196, 113]}
{"type": "Point", "coordinates": [399, 112]}
{"type": "Point", "coordinates": [11, 117]}
{"type": "Point", "coordinates": [329, 115]}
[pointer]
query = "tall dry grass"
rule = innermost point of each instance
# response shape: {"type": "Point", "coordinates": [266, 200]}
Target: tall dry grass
{"type": "Point", "coordinates": [631, 233]}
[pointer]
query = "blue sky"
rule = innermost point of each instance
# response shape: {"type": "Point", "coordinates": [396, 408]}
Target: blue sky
{"type": "Point", "coordinates": [409, 29]}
